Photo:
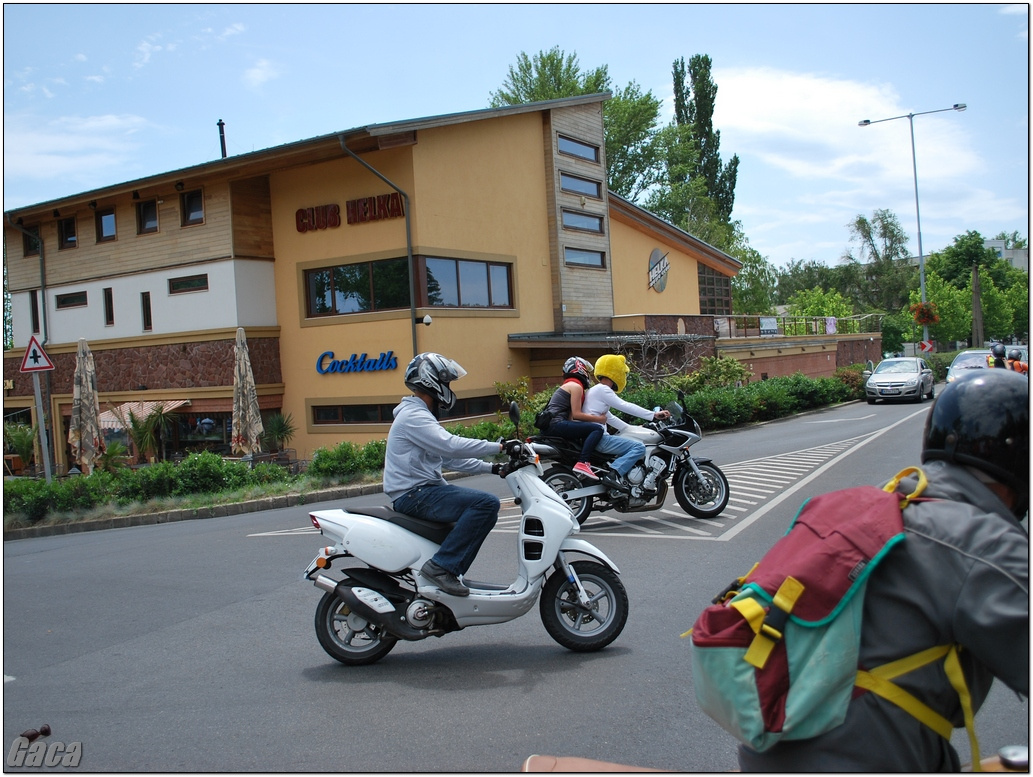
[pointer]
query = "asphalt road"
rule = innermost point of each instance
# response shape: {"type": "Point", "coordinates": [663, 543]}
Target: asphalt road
{"type": "Point", "coordinates": [190, 646]}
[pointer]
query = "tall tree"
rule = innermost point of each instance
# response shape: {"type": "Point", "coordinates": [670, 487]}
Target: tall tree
{"type": "Point", "coordinates": [753, 288]}
{"type": "Point", "coordinates": [548, 75]}
{"type": "Point", "coordinates": [1012, 240]}
{"type": "Point", "coordinates": [881, 271]}
{"type": "Point", "coordinates": [801, 275]}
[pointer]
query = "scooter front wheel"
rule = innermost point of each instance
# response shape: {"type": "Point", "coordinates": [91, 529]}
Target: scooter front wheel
{"type": "Point", "coordinates": [561, 480]}
{"type": "Point", "coordinates": [347, 637]}
{"type": "Point", "coordinates": [701, 498]}
{"type": "Point", "coordinates": [576, 626]}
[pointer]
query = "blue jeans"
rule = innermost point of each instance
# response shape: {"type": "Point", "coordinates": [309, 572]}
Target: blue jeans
{"type": "Point", "coordinates": [586, 431]}
{"type": "Point", "coordinates": [626, 450]}
{"type": "Point", "coordinates": [474, 513]}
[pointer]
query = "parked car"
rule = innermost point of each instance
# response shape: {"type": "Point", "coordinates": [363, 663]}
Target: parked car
{"type": "Point", "coordinates": [908, 378]}
{"type": "Point", "coordinates": [972, 359]}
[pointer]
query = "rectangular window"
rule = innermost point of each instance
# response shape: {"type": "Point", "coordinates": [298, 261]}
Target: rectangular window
{"type": "Point", "coordinates": [34, 311]}
{"type": "Point", "coordinates": [466, 283]}
{"type": "Point", "coordinates": [145, 306]}
{"type": "Point", "coordinates": [192, 207]}
{"type": "Point", "coordinates": [358, 288]}
{"type": "Point", "coordinates": [146, 217]}
{"type": "Point", "coordinates": [66, 237]}
{"type": "Point", "coordinates": [587, 222]}
{"type": "Point", "coordinates": [188, 283]}
{"type": "Point", "coordinates": [715, 292]}
{"type": "Point", "coordinates": [583, 258]}
{"type": "Point", "coordinates": [109, 307]}
{"type": "Point", "coordinates": [30, 241]}
{"type": "Point", "coordinates": [75, 299]}
{"type": "Point", "coordinates": [578, 149]}
{"type": "Point", "coordinates": [106, 225]}
{"type": "Point", "coordinates": [577, 185]}
{"type": "Point", "coordinates": [327, 415]}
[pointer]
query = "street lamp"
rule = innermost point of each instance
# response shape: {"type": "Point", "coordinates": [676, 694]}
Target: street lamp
{"type": "Point", "coordinates": [914, 164]}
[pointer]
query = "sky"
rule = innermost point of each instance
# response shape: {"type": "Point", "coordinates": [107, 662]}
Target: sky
{"type": "Point", "coordinates": [101, 94]}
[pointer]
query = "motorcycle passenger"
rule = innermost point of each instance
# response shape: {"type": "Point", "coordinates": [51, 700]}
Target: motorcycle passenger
{"type": "Point", "coordinates": [569, 420]}
{"type": "Point", "coordinates": [418, 446]}
{"type": "Point", "coordinates": [611, 372]}
{"type": "Point", "coordinates": [997, 353]}
{"type": "Point", "coordinates": [1015, 363]}
{"type": "Point", "coordinates": [960, 576]}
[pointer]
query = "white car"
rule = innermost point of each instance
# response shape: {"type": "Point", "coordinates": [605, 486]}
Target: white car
{"type": "Point", "coordinates": [904, 378]}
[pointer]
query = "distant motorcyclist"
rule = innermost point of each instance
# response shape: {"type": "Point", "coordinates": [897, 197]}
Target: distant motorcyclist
{"type": "Point", "coordinates": [611, 372]}
{"type": "Point", "coordinates": [998, 354]}
{"type": "Point", "coordinates": [1014, 362]}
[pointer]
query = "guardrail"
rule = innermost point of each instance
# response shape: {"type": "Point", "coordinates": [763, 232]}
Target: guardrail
{"type": "Point", "coordinates": [795, 326]}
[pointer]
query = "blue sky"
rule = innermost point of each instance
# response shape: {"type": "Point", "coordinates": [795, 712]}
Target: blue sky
{"type": "Point", "coordinates": [101, 94]}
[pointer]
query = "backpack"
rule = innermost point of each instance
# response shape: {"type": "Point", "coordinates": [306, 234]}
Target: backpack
{"type": "Point", "coordinates": [775, 657]}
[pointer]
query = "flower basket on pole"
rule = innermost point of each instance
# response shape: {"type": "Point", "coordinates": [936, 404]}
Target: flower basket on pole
{"type": "Point", "coordinates": [925, 313]}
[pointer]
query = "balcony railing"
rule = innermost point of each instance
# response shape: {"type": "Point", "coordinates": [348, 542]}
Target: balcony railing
{"type": "Point", "coordinates": [795, 326]}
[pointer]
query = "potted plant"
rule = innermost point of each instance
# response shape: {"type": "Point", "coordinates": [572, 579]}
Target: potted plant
{"type": "Point", "coordinates": [279, 431]}
{"type": "Point", "coordinates": [21, 439]}
{"type": "Point", "coordinates": [925, 313]}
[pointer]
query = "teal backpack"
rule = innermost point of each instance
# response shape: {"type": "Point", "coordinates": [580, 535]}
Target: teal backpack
{"type": "Point", "coordinates": [775, 657]}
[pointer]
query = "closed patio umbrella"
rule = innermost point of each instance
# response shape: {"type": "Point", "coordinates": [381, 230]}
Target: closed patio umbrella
{"type": "Point", "coordinates": [84, 433]}
{"type": "Point", "coordinates": [246, 432]}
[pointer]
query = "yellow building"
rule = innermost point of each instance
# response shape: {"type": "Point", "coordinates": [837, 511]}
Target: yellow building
{"type": "Point", "coordinates": [488, 236]}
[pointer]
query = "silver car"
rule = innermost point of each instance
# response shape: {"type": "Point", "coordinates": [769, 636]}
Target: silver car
{"type": "Point", "coordinates": [906, 378]}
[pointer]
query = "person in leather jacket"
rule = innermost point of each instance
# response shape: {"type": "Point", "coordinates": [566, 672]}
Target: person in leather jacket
{"type": "Point", "coordinates": [961, 576]}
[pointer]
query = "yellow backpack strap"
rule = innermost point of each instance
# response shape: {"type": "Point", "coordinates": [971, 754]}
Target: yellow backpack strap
{"type": "Point", "coordinates": [768, 625]}
{"type": "Point", "coordinates": [879, 682]}
{"type": "Point", "coordinates": [919, 488]}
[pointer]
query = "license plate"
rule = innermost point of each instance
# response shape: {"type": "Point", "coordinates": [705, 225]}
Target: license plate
{"type": "Point", "coordinates": [885, 392]}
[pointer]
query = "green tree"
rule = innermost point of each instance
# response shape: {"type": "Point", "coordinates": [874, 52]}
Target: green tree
{"type": "Point", "coordinates": [954, 263]}
{"type": "Point", "coordinates": [880, 275]}
{"type": "Point", "coordinates": [953, 305]}
{"type": "Point", "coordinates": [548, 75]}
{"type": "Point", "coordinates": [753, 287]}
{"type": "Point", "coordinates": [1012, 240]}
{"type": "Point", "coordinates": [630, 123]}
{"type": "Point", "coordinates": [1016, 292]}
{"type": "Point", "coordinates": [799, 275]}
{"type": "Point", "coordinates": [819, 302]}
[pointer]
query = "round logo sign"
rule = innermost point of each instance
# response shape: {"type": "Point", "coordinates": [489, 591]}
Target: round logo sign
{"type": "Point", "coordinates": [658, 267]}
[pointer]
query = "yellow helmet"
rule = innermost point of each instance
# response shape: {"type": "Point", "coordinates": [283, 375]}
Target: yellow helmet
{"type": "Point", "coordinates": [613, 367]}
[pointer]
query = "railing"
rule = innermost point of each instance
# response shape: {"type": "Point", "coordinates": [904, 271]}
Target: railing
{"type": "Point", "coordinates": [795, 326]}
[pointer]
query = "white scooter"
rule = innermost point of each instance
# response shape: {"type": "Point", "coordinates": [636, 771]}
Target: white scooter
{"type": "Point", "coordinates": [382, 597]}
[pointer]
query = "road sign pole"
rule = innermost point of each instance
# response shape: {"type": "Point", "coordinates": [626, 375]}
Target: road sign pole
{"type": "Point", "coordinates": [45, 449]}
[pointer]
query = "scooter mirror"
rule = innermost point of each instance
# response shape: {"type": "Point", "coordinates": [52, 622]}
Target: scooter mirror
{"type": "Point", "coordinates": [514, 416]}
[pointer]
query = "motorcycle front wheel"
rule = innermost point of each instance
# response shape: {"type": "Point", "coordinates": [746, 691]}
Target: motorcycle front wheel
{"type": "Point", "coordinates": [576, 626]}
{"type": "Point", "coordinates": [345, 636]}
{"type": "Point", "coordinates": [704, 498]}
{"type": "Point", "coordinates": [560, 480]}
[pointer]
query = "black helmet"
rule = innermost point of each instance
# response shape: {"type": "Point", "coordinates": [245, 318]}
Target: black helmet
{"type": "Point", "coordinates": [579, 369]}
{"type": "Point", "coordinates": [982, 420]}
{"type": "Point", "coordinates": [1015, 355]}
{"type": "Point", "coordinates": [431, 373]}
{"type": "Point", "coordinates": [997, 349]}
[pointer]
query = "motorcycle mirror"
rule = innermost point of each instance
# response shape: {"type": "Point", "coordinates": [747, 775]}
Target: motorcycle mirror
{"type": "Point", "coordinates": [514, 416]}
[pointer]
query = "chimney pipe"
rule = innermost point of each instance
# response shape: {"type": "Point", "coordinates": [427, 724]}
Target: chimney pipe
{"type": "Point", "coordinates": [222, 136]}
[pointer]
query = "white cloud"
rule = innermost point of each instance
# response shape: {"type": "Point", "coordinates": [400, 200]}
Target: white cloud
{"type": "Point", "coordinates": [263, 71]}
{"type": "Point", "coordinates": [233, 29]}
{"type": "Point", "coordinates": [145, 49]}
{"type": "Point", "coordinates": [1015, 9]}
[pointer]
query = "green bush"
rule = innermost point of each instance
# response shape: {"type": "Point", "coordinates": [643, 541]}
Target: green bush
{"type": "Point", "coordinates": [78, 493]}
{"type": "Point", "coordinates": [157, 481]}
{"type": "Point", "coordinates": [342, 460]}
{"type": "Point", "coordinates": [264, 473]}
{"type": "Point", "coordinates": [371, 457]}
{"type": "Point", "coordinates": [199, 473]}
{"type": "Point", "coordinates": [30, 497]}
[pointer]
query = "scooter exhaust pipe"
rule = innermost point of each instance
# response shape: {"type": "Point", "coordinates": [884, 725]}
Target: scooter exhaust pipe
{"type": "Point", "coordinates": [373, 606]}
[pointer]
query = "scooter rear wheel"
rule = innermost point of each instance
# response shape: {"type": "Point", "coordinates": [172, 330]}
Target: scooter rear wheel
{"type": "Point", "coordinates": [347, 637]}
{"type": "Point", "coordinates": [580, 628]}
{"type": "Point", "coordinates": [559, 480]}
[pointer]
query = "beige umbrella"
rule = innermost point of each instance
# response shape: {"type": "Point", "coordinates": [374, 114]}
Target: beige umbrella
{"type": "Point", "coordinates": [84, 434]}
{"type": "Point", "coordinates": [247, 430]}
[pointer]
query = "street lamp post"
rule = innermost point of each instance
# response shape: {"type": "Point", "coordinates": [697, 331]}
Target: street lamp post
{"type": "Point", "coordinates": [914, 164]}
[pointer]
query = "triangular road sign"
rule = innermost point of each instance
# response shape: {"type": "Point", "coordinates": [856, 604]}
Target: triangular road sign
{"type": "Point", "coordinates": [36, 359]}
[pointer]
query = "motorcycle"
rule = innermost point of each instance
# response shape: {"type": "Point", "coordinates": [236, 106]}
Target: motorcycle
{"type": "Point", "coordinates": [381, 597]}
{"type": "Point", "coordinates": [700, 487]}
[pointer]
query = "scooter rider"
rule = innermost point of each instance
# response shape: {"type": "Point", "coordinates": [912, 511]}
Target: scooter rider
{"type": "Point", "coordinates": [611, 372]}
{"type": "Point", "coordinates": [1014, 362]}
{"type": "Point", "coordinates": [960, 576]}
{"type": "Point", "coordinates": [418, 446]}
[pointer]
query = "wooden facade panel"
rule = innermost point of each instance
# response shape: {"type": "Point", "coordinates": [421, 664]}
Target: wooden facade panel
{"type": "Point", "coordinates": [252, 214]}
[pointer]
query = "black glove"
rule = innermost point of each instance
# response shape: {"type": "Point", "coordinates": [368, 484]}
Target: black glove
{"type": "Point", "coordinates": [500, 469]}
{"type": "Point", "coordinates": [513, 447]}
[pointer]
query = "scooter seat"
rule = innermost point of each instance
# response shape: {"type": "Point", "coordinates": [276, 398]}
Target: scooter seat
{"type": "Point", "coordinates": [431, 530]}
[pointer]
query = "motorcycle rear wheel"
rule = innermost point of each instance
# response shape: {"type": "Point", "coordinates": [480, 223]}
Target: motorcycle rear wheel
{"type": "Point", "coordinates": [559, 480]}
{"type": "Point", "coordinates": [705, 499]}
{"type": "Point", "coordinates": [347, 637]}
{"type": "Point", "coordinates": [579, 628]}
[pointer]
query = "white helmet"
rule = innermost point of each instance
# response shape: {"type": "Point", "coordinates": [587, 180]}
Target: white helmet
{"type": "Point", "coordinates": [431, 373]}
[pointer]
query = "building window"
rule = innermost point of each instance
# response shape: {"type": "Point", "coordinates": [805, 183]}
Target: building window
{"type": "Point", "coordinates": [465, 283]}
{"type": "Point", "coordinates": [336, 415]}
{"type": "Point", "coordinates": [363, 287]}
{"type": "Point", "coordinates": [192, 207]}
{"type": "Point", "coordinates": [577, 148]}
{"type": "Point", "coordinates": [34, 311]}
{"type": "Point", "coordinates": [145, 306]}
{"type": "Point", "coordinates": [188, 283]}
{"type": "Point", "coordinates": [146, 217]}
{"type": "Point", "coordinates": [582, 257]}
{"type": "Point", "coordinates": [66, 237]}
{"type": "Point", "coordinates": [577, 185]}
{"type": "Point", "coordinates": [715, 292]}
{"type": "Point", "coordinates": [586, 222]}
{"type": "Point", "coordinates": [30, 241]}
{"type": "Point", "coordinates": [75, 299]}
{"type": "Point", "coordinates": [109, 307]}
{"type": "Point", "coordinates": [106, 225]}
